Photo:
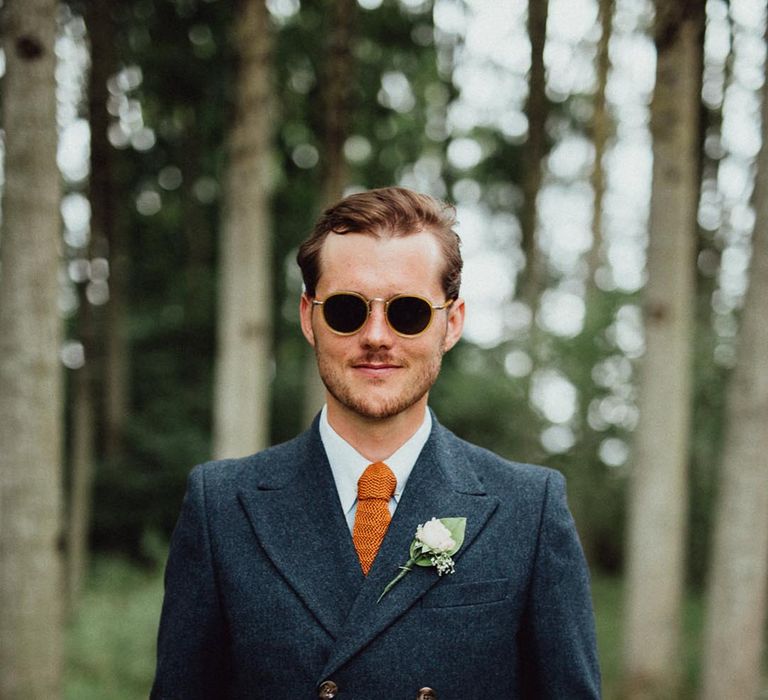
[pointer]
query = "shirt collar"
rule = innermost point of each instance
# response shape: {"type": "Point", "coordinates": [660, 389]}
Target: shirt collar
{"type": "Point", "coordinates": [347, 464]}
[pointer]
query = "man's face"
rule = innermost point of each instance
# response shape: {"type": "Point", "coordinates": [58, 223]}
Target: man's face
{"type": "Point", "coordinates": [376, 373]}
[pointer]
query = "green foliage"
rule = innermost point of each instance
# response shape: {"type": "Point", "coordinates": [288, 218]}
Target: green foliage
{"type": "Point", "coordinates": [186, 66]}
{"type": "Point", "coordinates": [110, 644]}
{"type": "Point", "coordinates": [475, 398]}
{"type": "Point", "coordinates": [607, 594]}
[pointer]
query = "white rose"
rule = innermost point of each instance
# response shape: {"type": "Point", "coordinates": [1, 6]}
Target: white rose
{"type": "Point", "coordinates": [435, 535]}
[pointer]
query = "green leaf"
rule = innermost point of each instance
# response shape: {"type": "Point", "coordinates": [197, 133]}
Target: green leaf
{"type": "Point", "coordinates": [457, 526]}
{"type": "Point", "coordinates": [417, 554]}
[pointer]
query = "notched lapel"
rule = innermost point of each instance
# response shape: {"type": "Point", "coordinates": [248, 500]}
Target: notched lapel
{"type": "Point", "coordinates": [430, 492]}
{"type": "Point", "coordinates": [300, 525]}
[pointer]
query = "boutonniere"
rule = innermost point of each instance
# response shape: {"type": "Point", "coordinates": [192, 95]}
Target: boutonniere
{"type": "Point", "coordinates": [435, 544]}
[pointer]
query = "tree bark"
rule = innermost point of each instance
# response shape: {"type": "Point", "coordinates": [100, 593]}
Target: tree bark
{"type": "Point", "coordinates": [338, 102]}
{"type": "Point", "coordinates": [736, 605]}
{"type": "Point", "coordinates": [30, 375]}
{"type": "Point", "coordinates": [708, 403]}
{"type": "Point", "coordinates": [337, 117]}
{"type": "Point", "coordinates": [600, 131]}
{"type": "Point", "coordinates": [107, 231]}
{"type": "Point", "coordinates": [244, 356]}
{"type": "Point", "coordinates": [658, 492]}
{"type": "Point", "coordinates": [116, 350]}
{"type": "Point", "coordinates": [82, 458]}
{"type": "Point", "coordinates": [83, 447]}
{"type": "Point", "coordinates": [537, 111]}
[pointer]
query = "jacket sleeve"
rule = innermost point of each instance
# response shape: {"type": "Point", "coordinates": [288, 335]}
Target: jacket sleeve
{"type": "Point", "coordinates": [192, 645]}
{"type": "Point", "coordinates": [558, 645]}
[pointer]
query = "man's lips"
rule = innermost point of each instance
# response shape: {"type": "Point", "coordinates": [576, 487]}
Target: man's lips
{"type": "Point", "coordinates": [376, 369]}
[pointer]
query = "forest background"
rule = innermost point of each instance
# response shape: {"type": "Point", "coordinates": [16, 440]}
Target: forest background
{"type": "Point", "coordinates": [162, 160]}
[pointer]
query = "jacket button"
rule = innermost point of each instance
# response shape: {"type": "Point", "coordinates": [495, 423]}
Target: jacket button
{"type": "Point", "coordinates": [426, 694]}
{"type": "Point", "coordinates": [327, 690]}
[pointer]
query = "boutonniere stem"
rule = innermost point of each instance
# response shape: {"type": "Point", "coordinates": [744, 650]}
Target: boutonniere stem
{"type": "Point", "coordinates": [435, 544]}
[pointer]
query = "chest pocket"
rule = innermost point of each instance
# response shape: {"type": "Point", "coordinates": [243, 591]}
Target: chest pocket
{"type": "Point", "coordinates": [450, 595]}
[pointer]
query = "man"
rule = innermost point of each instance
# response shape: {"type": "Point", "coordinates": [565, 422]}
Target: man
{"type": "Point", "coordinates": [279, 560]}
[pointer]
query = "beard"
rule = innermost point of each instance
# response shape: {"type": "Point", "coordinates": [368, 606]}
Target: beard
{"type": "Point", "coordinates": [365, 400]}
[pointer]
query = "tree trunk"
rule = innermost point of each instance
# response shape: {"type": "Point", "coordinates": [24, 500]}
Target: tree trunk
{"type": "Point", "coordinates": [82, 456]}
{"type": "Point", "coordinates": [532, 280]}
{"type": "Point", "coordinates": [536, 110]}
{"type": "Point", "coordinates": [244, 359]}
{"type": "Point", "coordinates": [116, 350]}
{"type": "Point", "coordinates": [83, 382]}
{"type": "Point", "coordinates": [658, 493]}
{"type": "Point", "coordinates": [736, 606]}
{"type": "Point", "coordinates": [339, 80]}
{"type": "Point", "coordinates": [708, 404]}
{"type": "Point", "coordinates": [30, 375]}
{"type": "Point", "coordinates": [338, 91]}
{"type": "Point", "coordinates": [107, 231]}
{"type": "Point", "coordinates": [600, 130]}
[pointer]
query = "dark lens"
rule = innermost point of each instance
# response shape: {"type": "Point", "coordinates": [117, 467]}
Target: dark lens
{"type": "Point", "coordinates": [345, 313]}
{"type": "Point", "coordinates": [409, 315]}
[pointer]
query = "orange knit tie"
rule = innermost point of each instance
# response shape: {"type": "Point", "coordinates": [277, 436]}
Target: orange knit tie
{"type": "Point", "coordinates": [374, 489]}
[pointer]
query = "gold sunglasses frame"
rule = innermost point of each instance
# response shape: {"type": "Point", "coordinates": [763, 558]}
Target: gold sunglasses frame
{"type": "Point", "coordinates": [386, 302]}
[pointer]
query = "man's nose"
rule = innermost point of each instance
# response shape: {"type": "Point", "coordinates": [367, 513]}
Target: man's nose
{"type": "Point", "coordinates": [376, 331]}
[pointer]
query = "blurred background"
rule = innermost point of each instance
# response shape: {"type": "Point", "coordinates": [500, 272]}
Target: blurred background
{"type": "Point", "coordinates": [163, 159]}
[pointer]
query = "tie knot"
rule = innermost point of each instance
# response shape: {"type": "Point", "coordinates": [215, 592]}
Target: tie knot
{"type": "Point", "coordinates": [377, 481]}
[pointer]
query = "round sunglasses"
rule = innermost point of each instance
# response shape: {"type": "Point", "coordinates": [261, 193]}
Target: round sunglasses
{"type": "Point", "coordinates": [408, 315]}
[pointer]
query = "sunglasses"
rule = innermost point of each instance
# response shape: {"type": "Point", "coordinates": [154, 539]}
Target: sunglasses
{"type": "Point", "coordinates": [408, 315]}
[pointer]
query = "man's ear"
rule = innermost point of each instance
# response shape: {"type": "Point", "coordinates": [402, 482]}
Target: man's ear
{"type": "Point", "coordinates": [455, 324]}
{"type": "Point", "coordinates": [305, 313]}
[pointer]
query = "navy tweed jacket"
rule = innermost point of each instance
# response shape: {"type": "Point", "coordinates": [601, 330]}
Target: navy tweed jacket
{"type": "Point", "coordinates": [265, 597]}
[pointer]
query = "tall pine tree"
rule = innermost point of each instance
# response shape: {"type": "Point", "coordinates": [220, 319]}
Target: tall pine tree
{"type": "Point", "coordinates": [30, 373]}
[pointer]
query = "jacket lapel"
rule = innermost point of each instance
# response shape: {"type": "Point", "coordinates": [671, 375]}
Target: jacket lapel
{"type": "Point", "coordinates": [441, 485]}
{"type": "Point", "coordinates": [297, 518]}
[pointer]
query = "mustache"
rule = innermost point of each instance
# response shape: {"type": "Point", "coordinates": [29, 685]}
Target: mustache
{"type": "Point", "coordinates": [378, 358]}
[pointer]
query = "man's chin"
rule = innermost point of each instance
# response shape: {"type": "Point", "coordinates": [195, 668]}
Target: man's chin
{"type": "Point", "coordinates": [376, 411]}
{"type": "Point", "coordinates": [377, 408]}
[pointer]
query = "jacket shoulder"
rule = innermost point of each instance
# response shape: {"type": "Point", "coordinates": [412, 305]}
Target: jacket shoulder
{"type": "Point", "coordinates": [269, 466]}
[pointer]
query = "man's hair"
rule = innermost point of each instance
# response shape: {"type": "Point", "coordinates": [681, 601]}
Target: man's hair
{"type": "Point", "coordinates": [386, 212]}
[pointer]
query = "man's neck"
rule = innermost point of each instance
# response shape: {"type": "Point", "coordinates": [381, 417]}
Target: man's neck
{"type": "Point", "coordinates": [376, 438]}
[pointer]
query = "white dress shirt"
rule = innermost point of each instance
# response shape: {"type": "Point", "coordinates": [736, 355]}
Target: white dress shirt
{"type": "Point", "coordinates": [347, 464]}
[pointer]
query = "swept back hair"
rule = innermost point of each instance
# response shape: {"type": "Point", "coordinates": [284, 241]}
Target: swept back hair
{"type": "Point", "coordinates": [386, 212]}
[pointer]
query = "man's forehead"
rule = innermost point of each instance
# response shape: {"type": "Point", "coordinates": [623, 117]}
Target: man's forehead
{"type": "Point", "coordinates": [406, 259]}
{"type": "Point", "coordinates": [420, 243]}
